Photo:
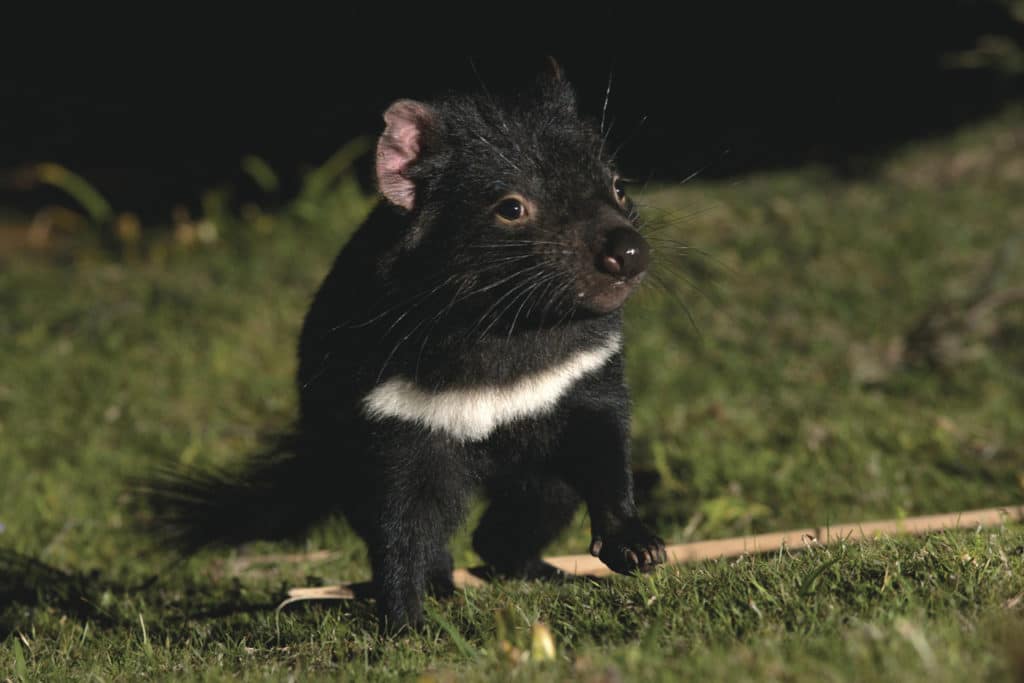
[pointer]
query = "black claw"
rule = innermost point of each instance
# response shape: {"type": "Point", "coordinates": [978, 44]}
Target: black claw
{"type": "Point", "coordinates": [632, 549]}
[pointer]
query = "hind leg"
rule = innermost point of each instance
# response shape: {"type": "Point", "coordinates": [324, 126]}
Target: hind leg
{"type": "Point", "coordinates": [521, 520]}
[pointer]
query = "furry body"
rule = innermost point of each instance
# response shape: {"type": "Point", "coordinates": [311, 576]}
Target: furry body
{"type": "Point", "coordinates": [467, 337]}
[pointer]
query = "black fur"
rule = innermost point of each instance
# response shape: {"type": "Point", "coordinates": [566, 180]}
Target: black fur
{"type": "Point", "coordinates": [449, 295]}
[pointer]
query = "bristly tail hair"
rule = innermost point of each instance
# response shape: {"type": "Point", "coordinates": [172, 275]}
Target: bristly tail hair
{"type": "Point", "coordinates": [277, 493]}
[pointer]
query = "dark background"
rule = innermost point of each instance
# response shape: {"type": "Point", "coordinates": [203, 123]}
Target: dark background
{"type": "Point", "coordinates": [839, 90]}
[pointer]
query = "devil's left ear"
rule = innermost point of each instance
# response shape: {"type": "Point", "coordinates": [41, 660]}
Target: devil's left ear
{"type": "Point", "coordinates": [407, 123]}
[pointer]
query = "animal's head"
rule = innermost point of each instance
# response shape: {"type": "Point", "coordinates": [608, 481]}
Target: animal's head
{"type": "Point", "coordinates": [514, 199]}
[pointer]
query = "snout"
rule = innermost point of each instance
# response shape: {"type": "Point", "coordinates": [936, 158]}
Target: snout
{"type": "Point", "coordinates": [620, 258]}
{"type": "Point", "coordinates": [625, 254]}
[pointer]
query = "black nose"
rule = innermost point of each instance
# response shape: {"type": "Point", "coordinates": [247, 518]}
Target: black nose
{"type": "Point", "coordinates": [625, 253]}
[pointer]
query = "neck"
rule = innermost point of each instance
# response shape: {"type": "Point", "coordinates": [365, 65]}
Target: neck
{"type": "Point", "coordinates": [455, 359]}
{"type": "Point", "coordinates": [473, 411]}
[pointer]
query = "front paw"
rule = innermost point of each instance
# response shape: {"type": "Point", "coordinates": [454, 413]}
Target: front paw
{"type": "Point", "coordinates": [396, 616]}
{"type": "Point", "coordinates": [629, 548]}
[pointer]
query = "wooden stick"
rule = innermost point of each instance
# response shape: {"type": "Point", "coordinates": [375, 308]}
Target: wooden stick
{"type": "Point", "coordinates": [797, 539]}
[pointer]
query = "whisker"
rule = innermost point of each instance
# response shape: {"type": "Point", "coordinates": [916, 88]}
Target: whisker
{"type": "Point", "coordinates": [629, 138]}
{"type": "Point", "coordinates": [693, 175]}
{"type": "Point", "coordinates": [541, 296]}
{"type": "Point", "coordinates": [499, 152]}
{"type": "Point", "coordinates": [604, 110]}
{"type": "Point", "coordinates": [676, 218]}
{"type": "Point", "coordinates": [487, 314]}
{"type": "Point", "coordinates": [682, 248]}
{"type": "Point", "coordinates": [671, 291]}
{"type": "Point", "coordinates": [543, 281]}
{"type": "Point", "coordinates": [525, 296]}
{"type": "Point", "coordinates": [679, 275]}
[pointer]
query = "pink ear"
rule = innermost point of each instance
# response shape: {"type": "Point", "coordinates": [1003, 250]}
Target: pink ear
{"type": "Point", "coordinates": [398, 147]}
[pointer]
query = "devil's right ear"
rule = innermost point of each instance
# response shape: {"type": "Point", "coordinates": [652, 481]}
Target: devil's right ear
{"type": "Point", "coordinates": [553, 69]}
{"type": "Point", "coordinates": [407, 124]}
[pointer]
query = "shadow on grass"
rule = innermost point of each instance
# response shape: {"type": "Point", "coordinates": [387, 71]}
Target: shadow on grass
{"type": "Point", "coordinates": [26, 582]}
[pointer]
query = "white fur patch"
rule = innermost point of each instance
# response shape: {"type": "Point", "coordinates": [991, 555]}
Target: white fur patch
{"type": "Point", "coordinates": [471, 414]}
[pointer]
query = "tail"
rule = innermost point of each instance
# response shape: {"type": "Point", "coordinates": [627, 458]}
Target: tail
{"type": "Point", "coordinates": [276, 494]}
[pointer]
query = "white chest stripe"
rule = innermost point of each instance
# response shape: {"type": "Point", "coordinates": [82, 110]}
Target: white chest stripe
{"type": "Point", "coordinates": [472, 414]}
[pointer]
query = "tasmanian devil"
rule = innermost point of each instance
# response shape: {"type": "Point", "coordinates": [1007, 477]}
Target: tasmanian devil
{"type": "Point", "coordinates": [468, 337]}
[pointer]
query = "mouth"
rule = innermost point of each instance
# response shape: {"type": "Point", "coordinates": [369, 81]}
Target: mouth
{"type": "Point", "coordinates": [603, 294]}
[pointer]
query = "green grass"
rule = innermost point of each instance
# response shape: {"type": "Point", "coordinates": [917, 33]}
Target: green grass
{"type": "Point", "coordinates": [796, 404]}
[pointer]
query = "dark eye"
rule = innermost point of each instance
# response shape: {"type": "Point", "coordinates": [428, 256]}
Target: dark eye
{"type": "Point", "coordinates": [620, 190]}
{"type": "Point", "coordinates": [511, 209]}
